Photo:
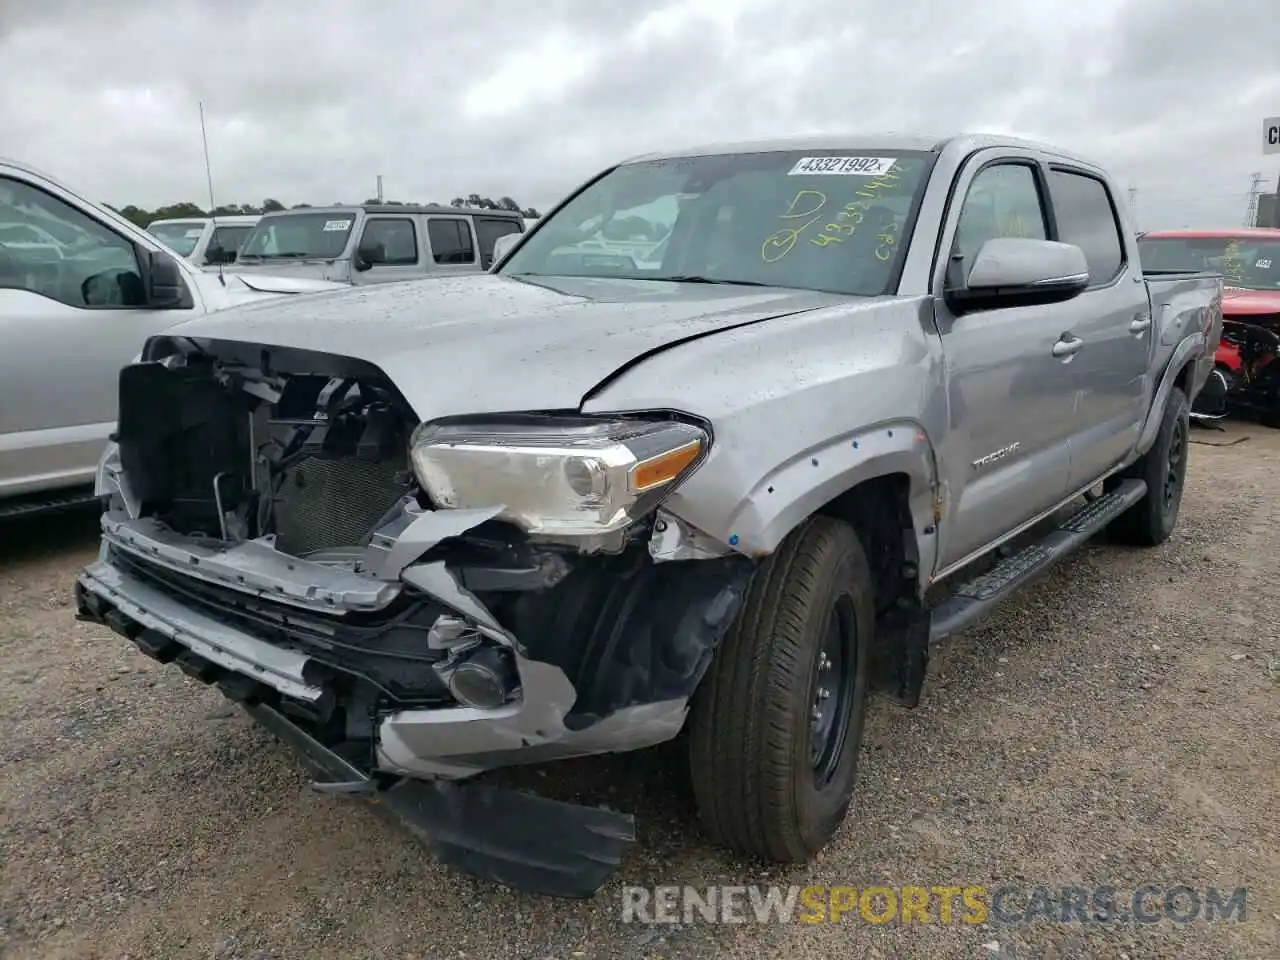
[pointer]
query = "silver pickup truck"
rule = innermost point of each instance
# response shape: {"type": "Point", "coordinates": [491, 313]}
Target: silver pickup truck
{"type": "Point", "coordinates": [585, 503]}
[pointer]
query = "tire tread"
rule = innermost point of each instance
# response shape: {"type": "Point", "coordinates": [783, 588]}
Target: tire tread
{"type": "Point", "coordinates": [742, 729]}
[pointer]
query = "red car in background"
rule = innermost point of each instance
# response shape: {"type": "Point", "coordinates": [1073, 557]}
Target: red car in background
{"type": "Point", "coordinates": [1246, 375]}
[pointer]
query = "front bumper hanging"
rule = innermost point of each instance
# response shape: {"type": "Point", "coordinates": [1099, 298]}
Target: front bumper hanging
{"type": "Point", "coordinates": [161, 592]}
{"type": "Point", "coordinates": [503, 836]}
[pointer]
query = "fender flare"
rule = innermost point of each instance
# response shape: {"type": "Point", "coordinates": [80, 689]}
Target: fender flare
{"type": "Point", "coordinates": [1185, 352]}
{"type": "Point", "coordinates": [789, 492]}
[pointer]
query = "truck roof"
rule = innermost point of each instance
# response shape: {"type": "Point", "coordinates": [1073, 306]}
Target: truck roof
{"type": "Point", "coordinates": [963, 142]}
{"type": "Point", "coordinates": [34, 171]}
{"type": "Point", "coordinates": [1226, 233]}
{"type": "Point", "coordinates": [429, 208]}
{"type": "Point", "coordinates": [222, 220]}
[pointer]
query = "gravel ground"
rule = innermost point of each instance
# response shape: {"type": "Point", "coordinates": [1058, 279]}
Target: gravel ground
{"type": "Point", "coordinates": [1115, 724]}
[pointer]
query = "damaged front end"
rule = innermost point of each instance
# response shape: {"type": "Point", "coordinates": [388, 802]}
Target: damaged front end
{"type": "Point", "coordinates": [412, 604]}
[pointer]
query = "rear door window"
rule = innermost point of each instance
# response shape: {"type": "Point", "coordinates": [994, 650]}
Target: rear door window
{"type": "Point", "coordinates": [1086, 217]}
{"type": "Point", "coordinates": [451, 240]}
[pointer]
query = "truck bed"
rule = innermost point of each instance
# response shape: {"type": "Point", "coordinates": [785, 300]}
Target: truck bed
{"type": "Point", "coordinates": [1182, 301]}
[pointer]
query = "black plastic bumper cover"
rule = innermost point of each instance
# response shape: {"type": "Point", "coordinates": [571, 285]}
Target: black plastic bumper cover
{"type": "Point", "coordinates": [526, 842]}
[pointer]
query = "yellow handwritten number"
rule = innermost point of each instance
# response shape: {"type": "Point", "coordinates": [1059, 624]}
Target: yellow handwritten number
{"type": "Point", "coordinates": [887, 240]}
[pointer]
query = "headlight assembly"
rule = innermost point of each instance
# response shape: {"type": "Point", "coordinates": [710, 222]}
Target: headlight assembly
{"type": "Point", "coordinates": [557, 477]}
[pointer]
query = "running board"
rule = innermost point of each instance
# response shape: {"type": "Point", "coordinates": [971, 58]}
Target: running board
{"type": "Point", "coordinates": [31, 506]}
{"type": "Point", "coordinates": [975, 600]}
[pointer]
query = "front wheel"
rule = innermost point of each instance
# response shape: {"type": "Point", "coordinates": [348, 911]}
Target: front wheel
{"type": "Point", "coordinates": [777, 725]}
{"type": "Point", "coordinates": [1164, 469]}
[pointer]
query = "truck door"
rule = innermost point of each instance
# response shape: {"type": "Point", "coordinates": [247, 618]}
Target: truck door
{"type": "Point", "coordinates": [1112, 319]}
{"type": "Point", "coordinates": [390, 248]}
{"type": "Point", "coordinates": [1006, 455]}
{"type": "Point", "coordinates": [72, 313]}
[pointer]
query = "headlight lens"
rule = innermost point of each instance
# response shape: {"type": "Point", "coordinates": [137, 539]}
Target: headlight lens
{"type": "Point", "coordinates": [557, 477]}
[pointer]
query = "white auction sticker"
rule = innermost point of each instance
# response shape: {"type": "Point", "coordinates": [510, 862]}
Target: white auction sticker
{"type": "Point", "coordinates": [841, 166]}
{"type": "Point", "coordinates": [334, 226]}
{"type": "Point", "coordinates": [194, 233]}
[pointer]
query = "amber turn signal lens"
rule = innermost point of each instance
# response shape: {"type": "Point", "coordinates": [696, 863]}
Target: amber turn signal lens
{"type": "Point", "coordinates": [663, 468]}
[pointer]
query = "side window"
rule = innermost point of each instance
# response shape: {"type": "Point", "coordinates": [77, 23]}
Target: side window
{"type": "Point", "coordinates": [1087, 218]}
{"type": "Point", "coordinates": [1003, 201]}
{"type": "Point", "coordinates": [451, 241]}
{"type": "Point", "coordinates": [74, 260]}
{"type": "Point", "coordinates": [488, 230]}
{"type": "Point", "coordinates": [390, 242]}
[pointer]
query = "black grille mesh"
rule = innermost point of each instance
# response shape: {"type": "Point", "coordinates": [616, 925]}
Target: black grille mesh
{"type": "Point", "coordinates": [335, 501]}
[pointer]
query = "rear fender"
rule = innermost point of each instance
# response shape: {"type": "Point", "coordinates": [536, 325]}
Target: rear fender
{"type": "Point", "coordinates": [1187, 352]}
{"type": "Point", "coordinates": [789, 492]}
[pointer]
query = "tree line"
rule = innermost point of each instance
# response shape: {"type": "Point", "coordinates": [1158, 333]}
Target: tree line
{"type": "Point", "coordinates": [186, 211]}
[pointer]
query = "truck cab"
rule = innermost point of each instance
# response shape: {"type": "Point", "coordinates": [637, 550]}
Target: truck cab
{"type": "Point", "coordinates": [208, 242]}
{"type": "Point", "coordinates": [376, 243]}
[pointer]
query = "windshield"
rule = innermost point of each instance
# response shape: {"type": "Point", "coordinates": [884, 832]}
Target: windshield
{"type": "Point", "coordinates": [299, 236]}
{"type": "Point", "coordinates": [1247, 262]}
{"type": "Point", "coordinates": [228, 239]}
{"type": "Point", "coordinates": [178, 236]}
{"type": "Point", "coordinates": [784, 219]}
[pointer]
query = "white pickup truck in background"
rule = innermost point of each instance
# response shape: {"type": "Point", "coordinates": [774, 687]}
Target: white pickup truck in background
{"type": "Point", "coordinates": [208, 242]}
{"type": "Point", "coordinates": [81, 289]}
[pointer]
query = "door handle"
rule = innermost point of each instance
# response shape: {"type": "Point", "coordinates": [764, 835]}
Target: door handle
{"type": "Point", "coordinates": [1141, 323]}
{"type": "Point", "coordinates": [1067, 347]}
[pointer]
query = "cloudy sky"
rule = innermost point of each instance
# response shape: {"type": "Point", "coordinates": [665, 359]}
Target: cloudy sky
{"type": "Point", "coordinates": [309, 100]}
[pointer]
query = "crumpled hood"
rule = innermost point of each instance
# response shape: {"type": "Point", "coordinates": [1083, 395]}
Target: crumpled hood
{"type": "Point", "coordinates": [1238, 302]}
{"type": "Point", "coordinates": [484, 343]}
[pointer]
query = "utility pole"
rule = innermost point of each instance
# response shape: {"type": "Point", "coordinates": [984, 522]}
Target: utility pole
{"type": "Point", "coordinates": [1133, 204]}
{"type": "Point", "coordinates": [379, 188]}
{"type": "Point", "coordinates": [1255, 188]}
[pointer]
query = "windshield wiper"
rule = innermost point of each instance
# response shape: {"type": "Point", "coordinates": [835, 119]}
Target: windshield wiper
{"type": "Point", "coordinates": [695, 278]}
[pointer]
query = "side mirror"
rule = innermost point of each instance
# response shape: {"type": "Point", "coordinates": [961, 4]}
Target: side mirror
{"type": "Point", "coordinates": [502, 246]}
{"type": "Point", "coordinates": [214, 255]}
{"type": "Point", "coordinates": [366, 257]}
{"type": "Point", "coordinates": [1016, 271]}
{"type": "Point", "coordinates": [166, 290]}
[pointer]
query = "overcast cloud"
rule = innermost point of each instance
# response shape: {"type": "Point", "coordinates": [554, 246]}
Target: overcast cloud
{"type": "Point", "coordinates": [310, 101]}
